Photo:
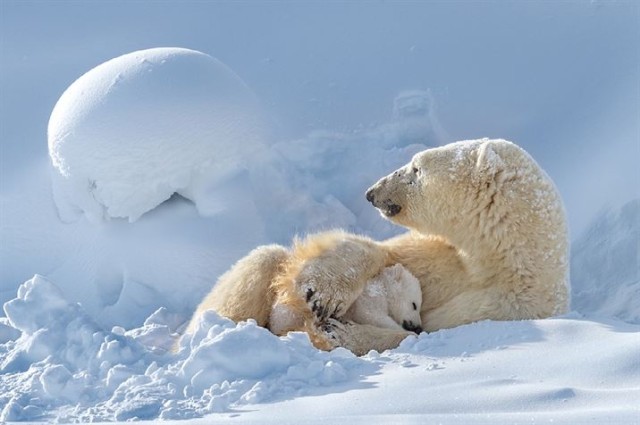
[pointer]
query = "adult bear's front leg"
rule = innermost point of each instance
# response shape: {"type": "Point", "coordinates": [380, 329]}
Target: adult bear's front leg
{"type": "Point", "coordinates": [333, 269]}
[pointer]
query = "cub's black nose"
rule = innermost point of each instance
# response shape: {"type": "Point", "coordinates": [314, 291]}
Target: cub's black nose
{"type": "Point", "coordinates": [411, 327]}
{"type": "Point", "coordinates": [369, 195]}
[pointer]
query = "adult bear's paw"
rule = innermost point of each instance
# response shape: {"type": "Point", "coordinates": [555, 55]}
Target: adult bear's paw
{"type": "Point", "coordinates": [323, 305]}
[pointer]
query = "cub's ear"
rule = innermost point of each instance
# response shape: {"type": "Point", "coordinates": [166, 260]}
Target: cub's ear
{"type": "Point", "coordinates": [489, 161]}
{"type": "Point", "coordinates": [394, 273]}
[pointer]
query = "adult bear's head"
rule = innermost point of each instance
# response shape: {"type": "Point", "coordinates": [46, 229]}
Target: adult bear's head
{"type": "Point", "coordinates": [447, 189]}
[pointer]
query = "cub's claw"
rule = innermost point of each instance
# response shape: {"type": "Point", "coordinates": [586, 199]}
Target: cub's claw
{"type": "Point", "coordinates": [330, 325]}
{"type": "Point", "coordinates": [340, 333]}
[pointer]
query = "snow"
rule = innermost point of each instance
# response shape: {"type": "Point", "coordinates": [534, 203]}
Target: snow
{"type": "Point", "coordinates": [136, 129]}
{"type": "Point", "coordinates": [606, 265]}
{"type": "Point", "coordinates": [64, 366]}
{"type": "Point", "coordinates": [165, 173]}
{"type": "Point", "coordinates": [83, 372]}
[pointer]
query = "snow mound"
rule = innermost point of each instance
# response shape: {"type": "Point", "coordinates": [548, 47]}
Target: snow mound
{"type": "Point", "coordinates": [605, 265]}
{"type": "Point", "coordinates": [134, 130]}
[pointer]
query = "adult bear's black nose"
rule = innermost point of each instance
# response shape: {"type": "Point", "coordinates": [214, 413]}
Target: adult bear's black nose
{"type": "Point", "coordinates": [369, 195]}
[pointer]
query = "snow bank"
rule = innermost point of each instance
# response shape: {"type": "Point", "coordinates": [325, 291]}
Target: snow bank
{"type": "Point", "coordinates": [136, 129]}
{"type": "Point", "coordinates": [521, 372]}
{"type": "Point", "coordinates": [605, 265]}
{"type": "Point", "coordinates": [57, 364]}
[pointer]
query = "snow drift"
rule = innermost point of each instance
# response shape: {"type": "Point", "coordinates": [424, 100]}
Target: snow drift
{"type": "Point", "coordinates": [136, 129]}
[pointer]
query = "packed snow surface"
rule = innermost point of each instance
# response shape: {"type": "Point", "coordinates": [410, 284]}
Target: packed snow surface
{"type": "Point", "coordinates": [134, 130]}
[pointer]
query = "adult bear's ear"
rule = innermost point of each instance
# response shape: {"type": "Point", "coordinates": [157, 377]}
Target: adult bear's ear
{"type": "Point", "coordinates": [489, 162]}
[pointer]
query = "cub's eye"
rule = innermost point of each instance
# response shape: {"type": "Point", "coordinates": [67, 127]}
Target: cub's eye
{"type": "Point", "coordinates": [415, 307]}
{"type": "Point", "coordinates": [415, 170]}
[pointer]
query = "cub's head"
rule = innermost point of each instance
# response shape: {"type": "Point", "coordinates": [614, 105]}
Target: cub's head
{"type": "Point", "coordinates": [440, 188]}
{"type": "Point", "coordinates": [404, 297]}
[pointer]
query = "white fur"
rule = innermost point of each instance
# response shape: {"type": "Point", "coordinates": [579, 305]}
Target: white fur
{"type": "Point", "coordinates": [389, 300]}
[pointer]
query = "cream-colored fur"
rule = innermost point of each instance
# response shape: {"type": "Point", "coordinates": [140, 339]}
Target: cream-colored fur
{"type": "Point", "coordinates": [487, 240]}
{"type": "Point", "coordinates": [244, 292]}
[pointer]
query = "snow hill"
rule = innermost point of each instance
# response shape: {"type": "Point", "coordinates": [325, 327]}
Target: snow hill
{"type": "Point", "coordinates": [99, 273]}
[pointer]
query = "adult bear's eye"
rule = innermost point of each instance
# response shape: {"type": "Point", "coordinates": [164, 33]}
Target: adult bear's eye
{"type": "Point", "coordinates": [415, 307]}
{"type": "Point", "coordinates": [415, 170]}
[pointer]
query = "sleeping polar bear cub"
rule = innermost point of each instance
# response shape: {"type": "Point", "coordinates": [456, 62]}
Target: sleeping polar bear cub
{"type": "Point", "coordinates": [391, 300]}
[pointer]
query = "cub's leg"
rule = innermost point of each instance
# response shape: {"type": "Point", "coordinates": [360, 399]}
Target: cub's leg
{"type": "Point", "coordinates": [244, 292]}
{"type": "Point", "coordinates": [381, 321]}
{"type": "Point", "coordinates": [360, 339]}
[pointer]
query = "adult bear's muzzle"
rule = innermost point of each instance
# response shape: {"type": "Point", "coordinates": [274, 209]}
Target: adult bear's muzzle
{"type": "Point", "coordinates": [384, 204]}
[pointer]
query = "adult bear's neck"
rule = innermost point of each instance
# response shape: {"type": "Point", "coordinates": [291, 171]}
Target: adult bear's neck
{"type": "Point", "coordinates": [519, 242]}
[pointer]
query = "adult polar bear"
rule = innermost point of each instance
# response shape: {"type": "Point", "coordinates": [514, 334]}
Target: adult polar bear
{"type": "Point", "coordinates": [487, 239]}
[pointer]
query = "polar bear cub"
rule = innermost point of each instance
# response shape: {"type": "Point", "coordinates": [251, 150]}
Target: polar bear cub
{"type": "Point", "coordinates": [391, 300]}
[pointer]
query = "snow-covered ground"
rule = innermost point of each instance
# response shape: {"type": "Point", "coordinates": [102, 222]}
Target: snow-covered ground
{"type": "Point", "coordinates": [334, 96]}
{"type": "Point", "coordinates": [570, 369]}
